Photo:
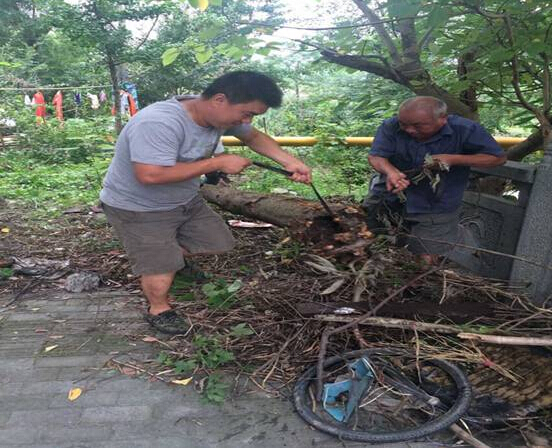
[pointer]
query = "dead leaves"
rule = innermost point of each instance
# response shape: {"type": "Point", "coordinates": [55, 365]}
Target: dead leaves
{"type": "Point", "coordinates": [74, 394]}
{"type": "Point", "coordinates": [182, 382]}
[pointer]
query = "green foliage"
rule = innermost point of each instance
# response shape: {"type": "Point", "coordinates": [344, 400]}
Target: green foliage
{"type": "Point", "coordinates": [19, 25]}
{"type": "Point", "coordinates": [289, 250]}
{"type": "Point", "coordinates": [5, 273]}
{"type": "Point", "coordinates": [180, 283]}
{"type": "Point", "coordinates": [185, 297]}
{"type": "Point", "coordinates": [165, 359]}
{"type": "Point", "coordinates": [51, 188]}
{"type": "Point", "coordinates": [76, 141]}
{"type": "Point", "coordinates": [208, 355]}
{"type": "Point", "coordinates": [169, 56]}
{"type": "Point", "coordinates": [220, 294]}
{"type": "Point", "coordinates": [33, 179]}
{"type": "Point", "coordinates": [184, 366]}
{"type": "Point", "coordinates": [209, 352]}
{"type": "Point", "coordinates": [216, 390]}
{"type": "Point", "coordinates": [217, 37]}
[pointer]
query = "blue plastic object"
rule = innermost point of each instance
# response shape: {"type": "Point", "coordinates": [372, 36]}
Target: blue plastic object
{"type": "Point", "coordinates": [362, 377]}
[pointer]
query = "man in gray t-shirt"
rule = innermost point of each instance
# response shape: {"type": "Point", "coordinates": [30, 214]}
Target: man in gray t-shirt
{"type": "Point", "coordinates": [151, 190]}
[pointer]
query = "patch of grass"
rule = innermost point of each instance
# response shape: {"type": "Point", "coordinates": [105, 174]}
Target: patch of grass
{"type": "Point", "coordinates": [48, 189]}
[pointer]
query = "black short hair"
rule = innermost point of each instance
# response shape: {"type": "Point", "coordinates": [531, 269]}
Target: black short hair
{"type": "Point", "coordinates": [246, 86]}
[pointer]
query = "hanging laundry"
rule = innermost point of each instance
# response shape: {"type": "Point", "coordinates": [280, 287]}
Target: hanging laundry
{"type": "Point", "coordinates": [131, 88]}
{"type": "Point", "coordinates": [125, 106]}
{"type": "Point", "coordinates": [128, 104]}
{"type": "Point", "coordinates": [103, 97]}
{"type": "Point", "coordinates": [28, 101]}
{"type": "Point", "coordinates": [58, 104]}
{"type": "Point", "coordinates": [94, 100]}
{"type": "Point", "coordinates": [78, 99]}
{"type": "Point", "coordinates": [38, 101]}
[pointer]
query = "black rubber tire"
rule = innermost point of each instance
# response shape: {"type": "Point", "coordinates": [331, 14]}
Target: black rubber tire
{"type": "Point", "coordinates": [452, 415]}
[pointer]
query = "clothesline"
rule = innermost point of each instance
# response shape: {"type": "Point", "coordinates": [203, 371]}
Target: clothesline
{"type": "Point", "coordinates": [54, 88]}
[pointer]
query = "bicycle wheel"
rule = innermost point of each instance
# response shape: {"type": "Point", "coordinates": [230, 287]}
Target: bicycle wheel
{"type": "Point", "coordinates": [397, 407]}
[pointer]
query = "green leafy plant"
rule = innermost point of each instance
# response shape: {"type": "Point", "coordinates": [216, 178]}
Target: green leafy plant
{"type": "Point", "coordinates": [184, 366]}
{"type": "Point", "coordinates": [5, 273]}
{"type": "Point", "coordinates": [244, 269]}
{"type": "Point", "coordinates": [220, 294]}
{"type": "Point", "coordinates": [164, 359]}
{"type": "Point", "coordinates": [289, 250]}
{"type": "Point", "coordinates": [209, 352]}
{"type": "Point", "coordinates": [47, 188]}
{"type": "Point", "coordinates": [181, 283]}
{"type": "Point", "coordinates": [216, 390]}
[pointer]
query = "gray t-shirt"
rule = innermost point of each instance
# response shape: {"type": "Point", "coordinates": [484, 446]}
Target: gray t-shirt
{"type": "Point", "coordinates": [160, 134]}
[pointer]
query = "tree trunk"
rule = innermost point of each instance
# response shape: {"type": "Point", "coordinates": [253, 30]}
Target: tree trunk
{"type": "Point", "coordinates": [115, 88]}
{"type": "Point", "coordinates": [342, 234]}
{"type": "Point", "coordinates": [526, 147]}
{"type": "Point", "coordinates": [280, 210]}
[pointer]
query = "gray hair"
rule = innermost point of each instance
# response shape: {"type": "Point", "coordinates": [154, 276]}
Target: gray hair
{"type": "Point", "coordinates": [430, 104]}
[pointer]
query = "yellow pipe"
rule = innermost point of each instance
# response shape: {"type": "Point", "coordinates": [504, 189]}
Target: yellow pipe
{"type": "Point", "coordinates": [505, 142]}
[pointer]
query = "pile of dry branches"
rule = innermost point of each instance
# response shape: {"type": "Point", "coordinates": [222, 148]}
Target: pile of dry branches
{"type": "Point", "coordinates": [290, 298]}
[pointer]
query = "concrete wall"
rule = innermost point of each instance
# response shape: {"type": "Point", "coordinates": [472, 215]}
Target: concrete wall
{"type": "Point", "coordinates": [496, 222]}
{"type": "Point", "coordinates": [535, 240]}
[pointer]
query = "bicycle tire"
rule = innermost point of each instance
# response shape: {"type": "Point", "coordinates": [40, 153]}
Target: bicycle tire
{"type": "Point", "coordinates": [452, 415]}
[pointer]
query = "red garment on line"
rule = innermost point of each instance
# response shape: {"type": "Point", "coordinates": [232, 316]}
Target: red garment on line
{"type": "Point", "coordinates": [131, 104]}
{"type": "Point", "coordinates": [40, 112]}
{"type": "Point", "coordinates": [58, 103]}
{"type": "Point", "coordinates": [132, 109]}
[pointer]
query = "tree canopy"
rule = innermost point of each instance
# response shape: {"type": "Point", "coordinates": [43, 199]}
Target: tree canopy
{"type": "Point", "coordinates": [489, 60]}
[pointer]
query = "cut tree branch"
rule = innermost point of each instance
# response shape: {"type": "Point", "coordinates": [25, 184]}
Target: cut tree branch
{"type": "Point", "coordinates": [389, 322]}
{"type": "Point", "coordinates": [507, 340]}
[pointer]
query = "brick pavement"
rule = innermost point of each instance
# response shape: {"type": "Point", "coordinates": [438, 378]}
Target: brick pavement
{"type": "Point", "coordinates": [117, 411]}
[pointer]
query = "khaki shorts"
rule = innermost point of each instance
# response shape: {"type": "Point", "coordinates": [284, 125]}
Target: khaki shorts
{"type": "Point", "coordinates": [154, 240]}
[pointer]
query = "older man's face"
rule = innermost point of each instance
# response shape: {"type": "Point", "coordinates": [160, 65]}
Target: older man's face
{"type": "Point", "coordinates": [420, 124]}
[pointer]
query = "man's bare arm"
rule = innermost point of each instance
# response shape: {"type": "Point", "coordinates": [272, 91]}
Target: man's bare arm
{"type": "Point", "coordinates": [265, 145]}
{"type": "Point", "coordinates": [475, 160]}
{"type": "Point", "coordinates": [155, 174]}
{"type": "Point", "coordinates": [396, 179]}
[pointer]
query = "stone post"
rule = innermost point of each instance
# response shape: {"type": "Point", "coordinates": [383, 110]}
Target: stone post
{"type": "Point", "coordinates": [535, 240]}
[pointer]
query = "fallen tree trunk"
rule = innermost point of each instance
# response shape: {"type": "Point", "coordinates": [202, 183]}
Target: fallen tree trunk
{"type": "Point", "coordinates": [280, 210]}
{"type": "Point", "coordinates": [344, 233]}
